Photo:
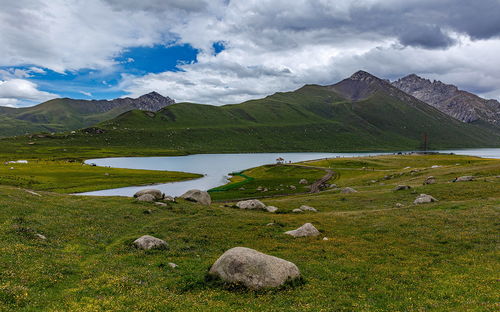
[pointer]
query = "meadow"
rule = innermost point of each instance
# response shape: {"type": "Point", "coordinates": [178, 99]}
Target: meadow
{"type": "Point", "coordinates": [379, 256]}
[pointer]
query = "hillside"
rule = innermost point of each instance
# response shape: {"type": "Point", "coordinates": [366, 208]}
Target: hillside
{"type": "Point", "coordinates": [68, 114]}
{"type": "Point", "coordinates": [462, 105]}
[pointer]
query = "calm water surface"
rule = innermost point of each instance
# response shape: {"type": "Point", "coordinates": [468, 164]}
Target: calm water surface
{"type": "Point", "coordinates": [215, 167]}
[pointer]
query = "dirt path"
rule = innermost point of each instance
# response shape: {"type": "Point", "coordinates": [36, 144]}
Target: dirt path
{"type": "Point", "coordinates": [315, 187]}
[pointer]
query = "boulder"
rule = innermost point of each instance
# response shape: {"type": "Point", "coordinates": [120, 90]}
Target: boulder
{"type": "Point", "coordinates": [40, 236]}
{"type": "Point", "coordinates": [148, 242]}
{"type": "Point", "coordinates": [399, 205]}
{"type": "Point", "coordinates": [424, 198]}
{"type": "Point", "coordinates": [251, 204]}
{"type": "Point", "coordinates": [306, 230]}
{"type": "Point", "coordinates": [308, 208]}
{"type": "Point", "coordinates": [156, 193]}
{"type": "Point", "coordinates": [253, 269]}
{"type": "Point", "coordinates": [169, 198]}
{"type": "Point", "coordinates": [146, 198]}
{"type": "Point", "coordinates": [430, 180]}
{"type": "Point", "coordinates": [402, 187]}
{"type": "Point", "coordinates": [303, 181]}
{"type": "Point", "coordinates": [271, 208]}
{"type": "Point", "coordinates": [347, 190]}
{"type": "Point", "coordinates": [464, 179]}
{"type": "Point", "coordinates": [293, 187]}
{"type": "Point", "coordinates": [172, 265]}
{"type": "Point", "coordinates": [297, 210]}
{"type": "Point", "coordinates": [198, 196]}
{"type": "Point", "coordinates": [161, 204]}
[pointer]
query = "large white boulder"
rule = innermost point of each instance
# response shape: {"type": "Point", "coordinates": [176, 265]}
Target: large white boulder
{"type": "Point", "coordinates": [253, 269]}
{"type": "Point", "coordinates": [198, 196]}
{"type": "Point", "coordinates": [306, 230]}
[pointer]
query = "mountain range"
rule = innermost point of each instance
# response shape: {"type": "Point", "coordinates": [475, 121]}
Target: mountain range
{"type": "Point", "coordinates": [66, 114]}
{"type": "Point", "coordinates": [361, 112]}
{"type": "Point", "coordinates": [462, 105]}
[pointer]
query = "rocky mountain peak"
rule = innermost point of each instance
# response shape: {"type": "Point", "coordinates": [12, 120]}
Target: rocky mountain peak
{"type": "Point", "coordinates": [362, 75]}
{"type": "Point", "coordinates": [449, 99]}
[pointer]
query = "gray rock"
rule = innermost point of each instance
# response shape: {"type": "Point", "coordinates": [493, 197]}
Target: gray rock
{"type": "Point", "coordinates": [399, 205]}
{"type": "Point", "coordinates": [40, 236]}
{"type": "Point", "coordinates": [424, 198]}
{"type": "Point", "coordinates": [161, 204]}
{"type": "Point", "coordinates": [250, 204]}
{"type": "Point", "coordinates": [347, 190]}
{"type": "Point", "coordinates": [271, 208]}
{"type": "Point", "coordinates": [297, 210]}
{"type": "Point", "coordinates": [306, 230]}
{"type": "Point", "coordinates": [303, 181]}
{"type": "Point", "coordinates": [464, 179]}
{"type": "Point", "coordinates": [146, 198]}
{"type": "Point", "coordinates": [293, 187]}
{"type": "Point", "coordinates": [308, 208]}
{"type": "Point", "coordinates": [253, 269]}
{"type": "Point", "coordinates": [198, 196]}
{"type": "Point", "coordinates": [169, 199]}
{"type": "Point", "coordinates": [148, 242]}
{"type": "Point", "coordinates": [402, 187]}
{"type": "Point", "coordinates": [333, 186]}
{"type": "Point", "coordinates": [156, 193]}
{"type": "Point", "coordinates": [430, 180]}
{"type": "Point", "coordinates": [172, 265]}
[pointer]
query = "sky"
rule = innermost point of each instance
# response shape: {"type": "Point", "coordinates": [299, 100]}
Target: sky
{"type": "Point", "coordinates": [228, 51]}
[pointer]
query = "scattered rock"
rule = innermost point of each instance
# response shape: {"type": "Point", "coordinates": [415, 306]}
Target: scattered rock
{"type": "Point", "coordinates": [333, 185]}
{"type": "Point", "coordinates": [146, 198]}
{"type": "Point", "coordinates": [148, 211]}
{"type": "Point", "coordinates": [402, 187]}
{"type": "Point", "coordinates": [306, 230]}
{"type": "Point", "coordinates": [435, 166]}
{"type": "Point", "coordinates": [271, 209]}
{"type": "Point", "coordinates": [253, 269]}
{"type": "Point", "coordinates": [297, 210]}
{"type": "Point", "coordinates": [241, 189]}
{"type": "Point", "coordinates": [172, 265]}
{"type": "Point", "coordinates": [198, 196]}
{"type": "Point", "coordinates": [251, 204]}
{"type": "Point", "coordinates": [303, 181]}
{"type": "Point", "coordinates": [347, 190]}
{"type": "Point", "coordinates": [293, 187]}
{"type": "Point", "coordinates": [308, 208]}
{"type": "Point", "coordinates": [430, 180]}
{"type": "Point", "coordinates": [464, 179]}
{"type": "Point", "coordinates": [325, 238]}
{"type": "Point", "coordinates": [399, 205]}
{"type": "Point", "coordinates": [270, 224]}
{"type": "Point", "coordinates": [265, 189]}
{"type": "Point", "coordinates": [161, 204]}
{"type": "Point", "coordinates": [147, 242]}
{"type": "Point", "coordinates": [33, 193]}
{"type": "Point", "coordinates": [40, 236]}
{"type": "Point", "coordinates": [424, 198]}
{"type": "Point", "coordinates": [156, 193]}
{"type": "Point", "coordinates": [169, 198]}
{"type": "Point", "coordinates": [259, 188]}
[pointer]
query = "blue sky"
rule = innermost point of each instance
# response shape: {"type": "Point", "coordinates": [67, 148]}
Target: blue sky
{"type": "Point", "coordinates": [220, 52]}
{"type": "Point", "coordinates": [104, 83]}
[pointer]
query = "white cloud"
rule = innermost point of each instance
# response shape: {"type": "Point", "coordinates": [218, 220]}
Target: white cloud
{"type": "Point", "coordinates": [86, 93]}
{"type": "Point", "coordinates": [15, 91]}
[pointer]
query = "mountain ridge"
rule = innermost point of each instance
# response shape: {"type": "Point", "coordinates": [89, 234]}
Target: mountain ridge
{"type": "Point", "coordinates": [462, 105]}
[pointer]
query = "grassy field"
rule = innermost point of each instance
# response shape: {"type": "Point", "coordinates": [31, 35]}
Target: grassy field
{"type": "Point", "coordinates": [441, 256]}
{"type": "Point", "coordinates": [75, 177]}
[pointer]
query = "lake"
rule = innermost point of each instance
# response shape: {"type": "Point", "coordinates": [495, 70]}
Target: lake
{"type": "Point", "coordinates": [216, 167]}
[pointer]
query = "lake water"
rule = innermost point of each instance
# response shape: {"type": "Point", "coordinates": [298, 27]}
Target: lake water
{"type": "Point", "coordinates": [215, 167]}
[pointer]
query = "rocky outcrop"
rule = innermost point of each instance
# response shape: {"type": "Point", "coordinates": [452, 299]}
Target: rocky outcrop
{"type": "Point", "coordinates": [253, 269]}
{"type": "Point", "coordinates": [198, 196]}
{"type": "Point", "coordinates": [146, 198]}
{"type": "Point", "coordinates": [462, 105]}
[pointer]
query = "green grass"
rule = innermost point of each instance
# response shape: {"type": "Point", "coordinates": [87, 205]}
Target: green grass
{"type": "Point", "coordinates": [435, 257]}
{"type": "Point", "coordinates": [312, 118]}
{"type": "Point", "coordinates": [75, 177]}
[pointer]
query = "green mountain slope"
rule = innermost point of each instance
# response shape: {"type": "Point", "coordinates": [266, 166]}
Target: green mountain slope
{"type": "Point", "coordinates": [68, 114]}
{"type": "Point", "coordinates": [359, 113]}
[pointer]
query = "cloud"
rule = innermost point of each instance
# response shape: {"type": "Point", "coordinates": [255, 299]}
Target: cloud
{"type": "Point", "coordinates": [15, 91]}
{"type": "Point", "coordinates": [269, 45]}
{"type": "Point", "coordinates": [86, 93]}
